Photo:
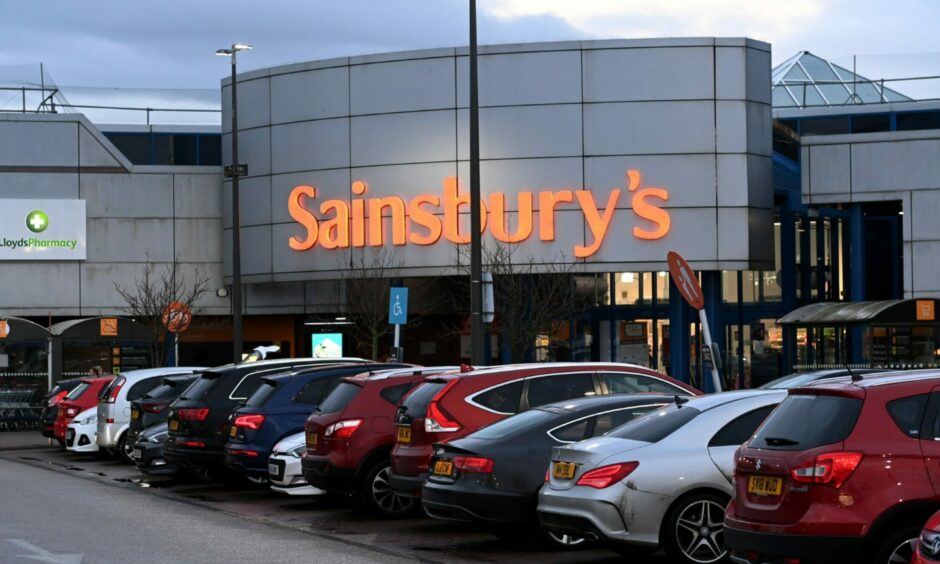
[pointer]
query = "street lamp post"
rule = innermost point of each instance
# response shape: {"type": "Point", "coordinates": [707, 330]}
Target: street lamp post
{"type": "Point", "coordinates": [236, 171]}
{"type": "Point", "coordinates": [476, 259]}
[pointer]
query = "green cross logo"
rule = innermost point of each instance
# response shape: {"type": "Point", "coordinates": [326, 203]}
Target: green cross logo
{"type": "Point", "coordinates": [37, 221]}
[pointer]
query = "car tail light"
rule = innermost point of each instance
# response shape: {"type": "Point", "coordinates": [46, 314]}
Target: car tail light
{"type": "Point", "coordinates": [109, 420]}
{"type": "Point", "coordinates": [193, 413]}
{"type": "Point", "coordinates": [605, 476]}
{"type": "Point", "coordinates": [192, 444]}
{"type": "Point", "coordinates": [115, 390]}
{"type": "Point", "coordinates": [547, 476]}
{"type": "Point", "coordinates": [242, 452]}
{"type": "Point", "coordinates": [831, 469]}
{"type": "Point", "coordinates": [251, 421]}
{"type": "Point", "coordinates": [154, 407]}
{"type": "Point", "coordinates": [473, 464]}
{"type": "Point", "coordinates": [71, 412]}
{"type": "Point", "coordinates": [436, 420]}
{"type": "Point", "coordinates": [343, 429]}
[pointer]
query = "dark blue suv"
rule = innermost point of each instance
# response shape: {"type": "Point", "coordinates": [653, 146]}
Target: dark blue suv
{"type": "Point", "coordinates": [280, 407]}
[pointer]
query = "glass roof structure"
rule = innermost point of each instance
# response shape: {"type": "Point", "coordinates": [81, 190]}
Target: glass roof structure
{"type": "Point", "coordinates": [805, 80]}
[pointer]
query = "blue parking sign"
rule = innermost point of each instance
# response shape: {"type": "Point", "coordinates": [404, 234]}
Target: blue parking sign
{"type": "Point", "coordinates": [398, 306]}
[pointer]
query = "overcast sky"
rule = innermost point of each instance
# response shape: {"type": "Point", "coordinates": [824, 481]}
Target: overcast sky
{"type": "Point", "coordinates": [170, 43]}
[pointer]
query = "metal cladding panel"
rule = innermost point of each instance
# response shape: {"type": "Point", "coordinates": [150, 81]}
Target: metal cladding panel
{"type": "Point", "coordinates": [35, 295]}
{"type": "Point", "coordinates": [924, 213]}
{"type": "Point", "coordinates": [333, 182]}
{"type": "Point", "coordinates": [309, 145]}
{"type": "Point", "coordinates": [872, 170]}
{"type": "Point", "coordinates": [402, 86]}
{"type": "Point", "coordinates": [690, 179]}
{"type": "Point", "coordinates": [35, 143]}
{"type": "Point", "coordinates": [508, 79]}
{"type": "Point", "coordinates": [530, 131]}
{"type": "Point", "coordinates": [198, 240]}
{"type": "Point", "coordinates": [254, 104]}
{"type": "Point", "coordinates": [925, 274]}
{"type": "Point", "coordinates": [255, 246]}
{"type": "Point", "coordinates": [107, 195]}
{"type": "Point", "coordinates": [93, 153]}
{"type": "Point", "coordinates": [511, 176]}
{"type": "Point", "coordinates": [52, 185]}
{"type": "Point", "coordinates": [254, 201]}
{"type": "Point", "coordinates": [121, 240]}
{"type": "Point", "coordinates": [197, 195]}
{"type": "Point", "coordinates": [310, 95]}
{"type": "Point", "coordinates": [417, 137]}
{"type": "Point", "coordinates": [649, 128]}
{"type": "Point", "coordinates": [99, 280]}
{"type": "Point", "coordinates": [641, 74]}
{"type": "Point", "coordinates": [254, 149]}
{"type": "Point", "coordinates": [829, 170]}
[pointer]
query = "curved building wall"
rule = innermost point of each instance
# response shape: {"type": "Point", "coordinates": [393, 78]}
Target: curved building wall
{"type": "Point", "coordinates": [609, 153]}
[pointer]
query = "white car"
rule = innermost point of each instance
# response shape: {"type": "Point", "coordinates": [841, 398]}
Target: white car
{"type": "Point", "coordinates": [82, 433]}
{"type": "Point", "coordinates": [284, 467]}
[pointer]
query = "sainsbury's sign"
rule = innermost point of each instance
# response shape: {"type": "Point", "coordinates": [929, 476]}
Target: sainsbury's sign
{"type": "Point", "coordinates": [424, 219]}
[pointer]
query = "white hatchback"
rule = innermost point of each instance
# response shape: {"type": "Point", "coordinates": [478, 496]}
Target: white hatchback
{"type": "Point", "coordinates": [82, 433]}
{"type": "Point", "coordinates": [284, 467]}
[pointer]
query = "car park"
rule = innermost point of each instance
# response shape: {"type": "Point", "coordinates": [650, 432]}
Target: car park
{"type": "Point", "coordinates": [279, 407]}
{"type": "Point", "coordinates": [198, 421]}
{"type": "Point", "coordinates": [660, 480]}
{"type": "Point", "coordinates": [82, 397]}
{"type": "Point", "coordinates": [351, 434]}
{"type": "Point", "coordinates": [151, 408]}
{"type": "Point", "coordinates": [81, 433]}
{"type": "Point", "coordinates": [926, 548]}
{"type": "Point", "coordinates": [114, 408]}
{"type": "Point", "coordinates": [493, 475]}
{"type": "Point", "coordinates": [451, 406]}
{"type": "Point", "coordinates": [284, 470]}
{"type": "Point", "coordinates": [842, 471]}
{"type": "Point", "coordinates": [51, 409]}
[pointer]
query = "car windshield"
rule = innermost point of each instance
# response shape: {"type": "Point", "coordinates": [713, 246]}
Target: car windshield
{"type": "Point", "coordinates": [807, 421]}
{"type": "Point", "coordinates": [416, 403]}
{"type": "Point", "coordinates": [339, 398]}
{"type": "Point", "coordinates": [77, 392]}
{"type": "Point", "coordinates": [655, 425]}
{"type": "Point", "coordinates": [168, 390]}
{"type": "Point", "coordinates": [515, 424]}
{"type": "Point", "coordinates": [262, 394]}
{"type": "Point", "coordinates": [200, 387]}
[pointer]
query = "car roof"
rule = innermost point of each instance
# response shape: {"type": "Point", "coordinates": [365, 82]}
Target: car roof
{"type": "Point", "coordinates": [282, 361]}
{"type": "Point", "coordinates": [846, 385]}
{"type": "Point", "coordinates": [395, 373]}
{"type": "Point", "coordinates": [96, 379]}
{"type": "Point", "coordinates": [612, 400]}
{"type": "Point", "coordinates": [143, 373]}
{"type": "Point", "coordinates": [711, 401]}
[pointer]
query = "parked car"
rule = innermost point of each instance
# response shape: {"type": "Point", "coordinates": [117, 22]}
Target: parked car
{"type": "Point", "coordinates": [493, 476]}
{"type": "Point", "coordinates": [81, 432]}
{"type": "Point", "coordinates": [808, 377]}
{"type": "Point", "coordinates": [342, 459]}
{"type": "Point", "coordinates": [148, 451]}
{"type": "Point", "coordinates": [279, 407]}
{"type": "Point", "coordinates": [82, 397]}
{"type": "Point", "coordinates": [114, 409]}
{"type": "Point", "coordinates": [662, 479]}
{"type": "Point", "coordinates": [151, 408]}
{"type": "Point", "coordinates": [843, 471]}
{"type": "Point", "coordinates": [198, 420]}
{"type": "Point", "coordinates": [926, 548]}
{"type": "Point", "coordinates": [451, 406]}
{"type": "Point", "coordinates": [285, 472]}
{"type": "Point", "coordinates": [51, 410]}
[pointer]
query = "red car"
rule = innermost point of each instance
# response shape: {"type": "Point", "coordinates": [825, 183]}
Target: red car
{"type": "Point", "coordinates": [350, 435]}
{"type": "Point", "coordinates": [926, 549]}
{"type": "Point", "coordinates": [451, 406]}
{"type": "Point", "coordinates": [840, 472]}
{"type": "Point", "coordinates": [83, 397]}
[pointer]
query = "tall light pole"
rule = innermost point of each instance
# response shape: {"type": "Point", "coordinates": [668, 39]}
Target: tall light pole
{"type": "Point", "coordinates": [236, 171]}
{"type": "Point", "coordinates": [476, 259]}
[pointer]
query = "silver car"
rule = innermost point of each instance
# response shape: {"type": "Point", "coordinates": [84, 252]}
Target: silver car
{"type": "Point", "coordinates": [663, 479]}
{"type": "Point", "coordinates": [114, 405]}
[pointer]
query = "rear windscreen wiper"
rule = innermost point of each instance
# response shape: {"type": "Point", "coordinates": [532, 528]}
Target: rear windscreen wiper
{"type": "Point", "coordinates": [780, 441]}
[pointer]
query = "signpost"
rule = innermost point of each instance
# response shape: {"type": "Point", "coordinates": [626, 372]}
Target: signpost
{"type": "Point", "coordinates": [398, 315]}
{"type": "Point", "coordinates": [176, 318]}
{"type": "Point", "coordinates": [685, 280]}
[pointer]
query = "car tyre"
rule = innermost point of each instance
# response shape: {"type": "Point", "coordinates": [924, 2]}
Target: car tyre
{"type": "Point", "coordinates": [124, 451]}
{"type": "Point", "coordinates": [379, 498]}
{"type": "Point", "coordinates": [694, 531]}
{"type": "Point", "coordinates": [898, 546]}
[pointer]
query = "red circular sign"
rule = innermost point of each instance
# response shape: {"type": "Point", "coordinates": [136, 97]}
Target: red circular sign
{"type": "Point", "coordinates": [685, 280]}
{"type": "Point", "coordinates": [176, 317]}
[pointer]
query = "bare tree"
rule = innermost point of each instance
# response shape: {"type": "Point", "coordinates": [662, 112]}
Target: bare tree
{"type": "Point", "coordinates": [150, 295]}
{"type": "Point", "coordinates": [367, 290]}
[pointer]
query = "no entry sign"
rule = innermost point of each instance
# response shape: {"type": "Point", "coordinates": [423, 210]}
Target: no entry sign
{"type": "Point", "coordinates": [686, 281]}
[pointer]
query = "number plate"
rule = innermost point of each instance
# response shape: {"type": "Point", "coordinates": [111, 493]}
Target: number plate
{"type": "Point", "coordinates": [764, 485]}
{"type": "Point", "coordinates": [273, 470]}
{"type": "Point", "coordinates": [563, 470]}
{"type": "Point", "coordinates": [174, 424]}
{"type": "Point", "coordinates": [404, 434]}
{"type": "Point", "coordinates": [138, 453]}
{"type": "Point", "coordinates": [443, 468]}
{"type": "Point", "coordinates": [135, 414]}
{"type": "Point", "coordinates": [233, 431]}
{"type": "Point", "coordinates": [311, 439]}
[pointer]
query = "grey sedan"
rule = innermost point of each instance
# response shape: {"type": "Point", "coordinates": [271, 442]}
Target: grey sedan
{"type": "Point", "coordinates": [663, 479]}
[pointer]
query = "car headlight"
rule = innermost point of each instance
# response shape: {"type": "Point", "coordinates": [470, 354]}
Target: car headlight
{"type": "Point", "coordinates": [87, 420]}
{"type": "Point", "coordinates": [159, 437]}
{"type": "Point", "coordinates": [298, 452]}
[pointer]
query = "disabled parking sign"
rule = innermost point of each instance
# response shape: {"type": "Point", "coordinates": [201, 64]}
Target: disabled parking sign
{"type": "Point", "coordinates": [398, 306]}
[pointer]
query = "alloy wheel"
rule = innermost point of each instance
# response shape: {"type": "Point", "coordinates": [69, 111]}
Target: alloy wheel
{"type": "Point", "coordinates": [903, 553]}
{"type": "Point", "coordinates": [700, 531]}
{"type": "Point", "coordinates": [385, 498]}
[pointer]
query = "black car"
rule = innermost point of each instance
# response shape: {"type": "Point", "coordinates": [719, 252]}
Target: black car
{"type": "Point", "coordinates": [280, 407]}
{"type": "Point", "coordinates": [51, 408]}
{"type": "Point", "coordinates": [148, 451]}
{"type": "Point", "coordinates": [153, 407]}
{"type": "Point", "coordinates": [198, 421]}
{"type": "Point", "coordinates": [492, 476]}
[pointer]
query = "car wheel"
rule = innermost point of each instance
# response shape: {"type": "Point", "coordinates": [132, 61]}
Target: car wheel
{"type": "Point", "coordinates": [124, 450]}
{"type": "Point", "coordinates": [379, 497]}
{"type": "Point", "coordinates": [898, 547]}
{"type": "Point", "coordinates": [695, 530]}
{"type": "Point", "coordinates": [563, 541]}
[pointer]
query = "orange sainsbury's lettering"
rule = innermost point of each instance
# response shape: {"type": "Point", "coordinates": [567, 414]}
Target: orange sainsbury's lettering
{"type": "Point", "coordinates": [498, 222]}
{"type": "Point", "coordinates": [650, 212]}
{"type": "Point", "coordinates": [596, 223]}
{"type": "Point", "coordinates": [302, 216]}
{"type": "Point", "coordinates": [376, 221]}
{"type": "Point", "coordinates": [547, 202]}
{"type": "Point", "coordinates": [453, 199]}
{"type": "Point", "coordinates": [425, 219]}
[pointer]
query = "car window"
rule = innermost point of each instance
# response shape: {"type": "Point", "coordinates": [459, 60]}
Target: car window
{"type": "Point", "coordinates": [316, 390]}
{"type": "Point", "coordinates": [908, 413]}
{"type": "Point", "coordinates": [77, 392]}
{"type": "Point", "coordinates": [262, 394]}
{"type": "Point", "coordinates": [605, 422]}
{"type": "Point", "coordinates": [807, 421]}
{"type": "Point", "coordinates": [393, 394]}
{"type": "Point", "coordinates": [142, 387]}
{"type": "Point", "coordinates": [337, 399]}
{"type": "Point", "coordinates": [247, 386]}
{"type": "Point", "coordinates": [416, 403]}
{"type": "Point", "coordinates": [572, 432]}
{"type": "Point", "coordinates": [741, 428]}
{"type": "Point", "coordinates": [517, 423]}
{"type": "Point", "coordinates": [558, 387]}
{"type": "Point", "coordinates": [201, 387]}
{"type": "Point", "coordinates": [656, 425]}
{"type": "Point", "coordinates": [627, 383]}
{"type": "Point", "coordinates": [502, 399]}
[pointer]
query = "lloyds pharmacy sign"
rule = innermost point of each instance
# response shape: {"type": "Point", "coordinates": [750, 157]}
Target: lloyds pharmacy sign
{"type": "Point", "coordinates": [42, 230]}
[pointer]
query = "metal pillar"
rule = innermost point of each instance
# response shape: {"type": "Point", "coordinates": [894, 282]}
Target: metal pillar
{"type": "Point", "coordinates": [476, 258]}
{"type": "Point", "coordinates": [856, 274]}
{"type": "Point", "coordinates": [679, 319]}
{"type": "Point", "coordinates": [788, 284]}
{"type": "Point", "coordinates": [711, 288]}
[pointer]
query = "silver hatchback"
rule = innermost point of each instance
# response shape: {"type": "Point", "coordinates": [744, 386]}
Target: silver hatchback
{"type": "Point", "coordinates": [663, 479]}
{"type": "Point", "coordinates": [114, 405]}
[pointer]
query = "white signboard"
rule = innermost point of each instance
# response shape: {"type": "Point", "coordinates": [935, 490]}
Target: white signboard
{"type": "Point", "coordinates": [42, 230]}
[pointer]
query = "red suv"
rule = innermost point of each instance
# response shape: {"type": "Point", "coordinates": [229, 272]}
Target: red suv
{"type": "Point", "coordinates": [83, 397]}
{"type": "Point", "coordinates": [840, 472]}
{"type": "Point", "coordinates": [340, 459]}
{"type": "Point", "coordinates": [451, 406]}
